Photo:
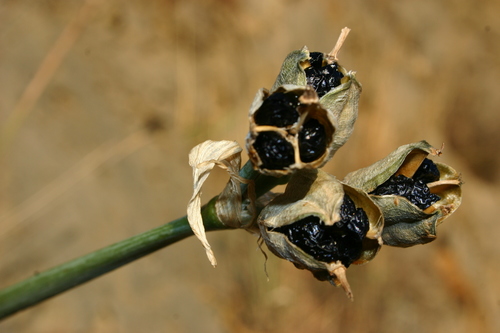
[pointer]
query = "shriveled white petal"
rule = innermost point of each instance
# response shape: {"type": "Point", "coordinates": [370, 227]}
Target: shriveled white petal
{"type": "Point", "coordinates": [203, 158]}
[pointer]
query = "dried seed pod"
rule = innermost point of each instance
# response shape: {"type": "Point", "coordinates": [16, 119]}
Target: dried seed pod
{"type": "Point", "coordinates": [336, 87]}
{"type": "Point", "coordinates": [289, 130]}
{"type": "Point", "coordinates": [414, 193]}
{"type": "Point", "coordinates": [322, 225]}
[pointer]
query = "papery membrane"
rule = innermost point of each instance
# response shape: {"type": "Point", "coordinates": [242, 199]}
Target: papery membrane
{"type": "Point", "coordinates": [203, 158]}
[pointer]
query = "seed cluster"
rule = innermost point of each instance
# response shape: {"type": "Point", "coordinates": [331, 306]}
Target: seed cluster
{"type": "Point", "coordinates": [281, 114]}
{"type": "Point", "coordinates": [341, 241]}
{"type": "Point", "coordinates": [322, 75]}
{"type": "Point", "coordinates": [415, 189]}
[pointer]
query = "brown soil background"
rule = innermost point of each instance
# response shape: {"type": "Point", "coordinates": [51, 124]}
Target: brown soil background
{"type": "Point", "coordinates": [97, 152]}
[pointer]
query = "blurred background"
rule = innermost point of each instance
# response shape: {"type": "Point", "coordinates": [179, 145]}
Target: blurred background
{"type": "Point", "coordinates": [101, 101]}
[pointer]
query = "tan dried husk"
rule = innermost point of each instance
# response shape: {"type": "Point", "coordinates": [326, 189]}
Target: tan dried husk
{"type": "Point", "coordinates": [406, 224]}
{"type": "Point", "coordinates": [309, 108]}
{"type": "Point", "coordinates": [316, 193]}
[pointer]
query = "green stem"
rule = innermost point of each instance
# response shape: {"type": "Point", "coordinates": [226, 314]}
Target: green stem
{"type": "Point", "coordinates": [42, 286]}
{"type": "Point", "coordinates": [73, 273]}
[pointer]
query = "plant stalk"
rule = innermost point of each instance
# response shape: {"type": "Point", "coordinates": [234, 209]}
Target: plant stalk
{"type": "Point", "coordinates": [54, 281]}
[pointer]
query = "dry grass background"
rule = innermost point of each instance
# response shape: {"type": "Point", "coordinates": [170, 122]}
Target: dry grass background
{"type": "Point", "coordinates": [101, 101]}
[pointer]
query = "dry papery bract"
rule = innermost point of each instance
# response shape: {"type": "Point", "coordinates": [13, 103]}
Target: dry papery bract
{"type": "Point", "coordinates": [203, 158]}
{"type": "Point", "coordinates": [314, 193]}
{"type": "Point", "coordinates": [406, 224]}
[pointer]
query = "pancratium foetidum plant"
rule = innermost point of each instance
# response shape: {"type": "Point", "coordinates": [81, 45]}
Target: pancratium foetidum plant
{"type": "Point", "coordinates": [320, 223]}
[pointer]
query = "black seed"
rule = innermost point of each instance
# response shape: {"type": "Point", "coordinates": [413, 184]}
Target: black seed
{"type": "Point", "coordinates": [279, 109]}
{"type": "Point", "coordinates": [274, 151]}
{"type": "Point", "coordinates": [416, 191]}
{"type": "Point", "coordinates": [322, 78]}
{"type": "Point", "coordinates": [427, 172]}
{"type": "Point", "coordinates": [316, 59]}
{"type": "Point", "coordinates": [312, 141]}
{"type": "Point", "coordinates": [341, 241]}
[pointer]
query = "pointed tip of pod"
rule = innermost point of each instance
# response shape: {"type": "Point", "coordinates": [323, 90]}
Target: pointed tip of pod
{"type": "Point", "coordinates": [338, 273]}
{"type": "Point", "coordinates": [340, 41]}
